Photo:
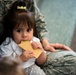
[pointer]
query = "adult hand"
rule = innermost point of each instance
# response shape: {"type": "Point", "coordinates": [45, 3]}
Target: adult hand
{"type": "Point", "coordinates": [52, 47]}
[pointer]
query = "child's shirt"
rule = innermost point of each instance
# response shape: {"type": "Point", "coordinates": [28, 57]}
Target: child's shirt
{"type": "Point", "coordinates": [12, 49]}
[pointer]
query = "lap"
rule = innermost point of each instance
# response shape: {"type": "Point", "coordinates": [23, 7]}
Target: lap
{"type": "Point", "coordinates": [61, 63]}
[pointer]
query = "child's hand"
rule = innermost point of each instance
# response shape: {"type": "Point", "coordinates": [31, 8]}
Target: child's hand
{"type": "Point", "coordinates": [26, 55]}
{"type": "Point", "coordinates": [36, 45]}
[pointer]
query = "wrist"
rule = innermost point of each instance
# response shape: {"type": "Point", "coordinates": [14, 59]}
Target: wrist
{"type": "Point", "coordinates": [45, 42]}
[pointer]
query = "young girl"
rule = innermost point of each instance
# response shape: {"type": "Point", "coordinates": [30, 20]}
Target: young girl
{"type": "Point", "coordinates": [19, 25]}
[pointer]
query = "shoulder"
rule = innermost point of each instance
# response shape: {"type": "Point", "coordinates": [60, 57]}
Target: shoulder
{"type": "Point", "coordinates": [8, 43]}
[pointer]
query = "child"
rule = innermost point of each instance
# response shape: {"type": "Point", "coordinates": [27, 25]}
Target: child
{"type": "Point", "coordinates": [19, 25]}
{"type": "Point", "coordinates": [40, 23]}
{"type": "Point", "coordinates": [11, 66]}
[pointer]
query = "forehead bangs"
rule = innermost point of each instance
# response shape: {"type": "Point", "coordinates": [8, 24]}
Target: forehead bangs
{"type": "Point", "coordinates": [23, 19]}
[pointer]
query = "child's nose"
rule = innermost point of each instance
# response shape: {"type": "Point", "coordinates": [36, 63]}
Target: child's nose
{"type": "Point", "coordinates": [24, 34]}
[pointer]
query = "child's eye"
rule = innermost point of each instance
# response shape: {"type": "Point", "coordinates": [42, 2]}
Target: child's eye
{"type": "Point", "coordinates": [28, 30]}
{"type": "Point", "coordinates": [19, 30]}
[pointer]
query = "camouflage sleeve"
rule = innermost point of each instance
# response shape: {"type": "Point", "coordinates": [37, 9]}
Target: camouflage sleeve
{"type": "Point", "coordinates": [40, 24]}
{"type": "Point", "coordinates": [1, 15]}
{"type": "Point", "coordinates": [4, 5]}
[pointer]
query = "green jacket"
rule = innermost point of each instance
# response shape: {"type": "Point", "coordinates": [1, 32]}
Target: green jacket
{"type": "Point", "coordinates": [40, 23]}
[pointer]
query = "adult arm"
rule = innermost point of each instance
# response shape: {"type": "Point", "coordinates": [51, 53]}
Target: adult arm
{"type": "Point", "coordinates": [1, 15]}
{"type": "Point", "coordinates": [40, 23]}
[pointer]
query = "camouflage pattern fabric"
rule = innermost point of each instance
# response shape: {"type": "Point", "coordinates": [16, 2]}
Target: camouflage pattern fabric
{"type": "Point", "coordinates": [60, 63]}
{"type": "Point", "coordinates": [40, 23]}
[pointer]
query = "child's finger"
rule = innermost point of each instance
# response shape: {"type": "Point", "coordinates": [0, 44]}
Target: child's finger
{"type": "Point", "coordinates": [35, 45]}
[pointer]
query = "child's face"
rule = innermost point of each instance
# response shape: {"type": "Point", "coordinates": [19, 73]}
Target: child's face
{"type": "Point", "coordinates": [22, 33]}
